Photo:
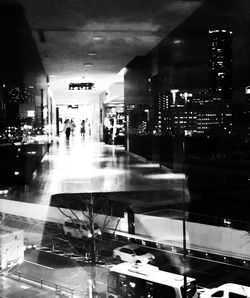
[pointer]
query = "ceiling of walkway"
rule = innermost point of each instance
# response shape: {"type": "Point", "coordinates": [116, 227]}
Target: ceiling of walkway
{"type": "Point", "coordinates": [92, 40]}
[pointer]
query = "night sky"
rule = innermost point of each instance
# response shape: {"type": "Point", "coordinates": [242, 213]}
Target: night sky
{"type": "Point", "coordinates": [186, 47]}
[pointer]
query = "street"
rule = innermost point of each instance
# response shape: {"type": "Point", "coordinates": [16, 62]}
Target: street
{"type": "Point", "coordinates": [55, 262]}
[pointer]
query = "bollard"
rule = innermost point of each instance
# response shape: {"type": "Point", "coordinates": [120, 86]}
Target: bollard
{"type": "Point", "coordinates": [19, 275]}
{"type": "Point", "coordinates": [41, 282]}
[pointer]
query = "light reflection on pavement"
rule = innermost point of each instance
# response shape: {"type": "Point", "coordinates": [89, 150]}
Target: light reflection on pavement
{"type": "Point", "coordinates": [83, 166]}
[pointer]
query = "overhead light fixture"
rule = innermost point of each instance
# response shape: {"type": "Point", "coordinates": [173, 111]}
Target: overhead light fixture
{"type": "Point", "coordinates": [177, 41]}
{"type": "Point", "coordinates": [92, 54]}
{"type": "Point", "coordinates": [88, 64]}
{"type": "Point", "coordinates": [97, 38]}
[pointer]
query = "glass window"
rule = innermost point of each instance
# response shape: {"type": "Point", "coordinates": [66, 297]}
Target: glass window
{"type": "Point", "coordinates": [127, 251]}
{"type": "Point", "coordinates": [163, 291]}
{"type": "Point", "coordinates": [96, 226]}
{"type": "Point", "coordinates": [112, 280]}
{"type": "Point", "coordinates": [218, 294]}
{"type": "Point", "coordinates": [235, 295]}
{"type": "Point", "coordinates": [84, 228]}
{"type": "Point", "coordinates": [139, 251]}
{"type": "Point", "coordinates": [72, 225]}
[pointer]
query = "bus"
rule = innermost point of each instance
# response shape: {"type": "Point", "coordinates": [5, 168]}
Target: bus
{"type": "Point", "coordinates": [147, 281]}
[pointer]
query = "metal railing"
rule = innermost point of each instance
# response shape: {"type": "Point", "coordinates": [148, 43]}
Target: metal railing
{"type": "Point", "coordinates": [40, 282]}
{"type": "Point", "coordinates": [177, 248]}
{"type": "Point", "coordinates": [204, 219]}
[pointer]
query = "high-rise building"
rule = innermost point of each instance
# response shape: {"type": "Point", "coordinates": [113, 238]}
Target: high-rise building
{"type": "Point", "coordinates": [247, 111]}
{"type": "Point", "coordinates": [220, 64]}
{"type": "Point", "coordinates": [220, 77]}
{"type": "Point", "coordinates": [161, 117]}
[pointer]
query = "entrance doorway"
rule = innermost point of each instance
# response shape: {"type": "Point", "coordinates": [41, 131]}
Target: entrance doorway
{"type": "Point", "coordinates": [77, 113]}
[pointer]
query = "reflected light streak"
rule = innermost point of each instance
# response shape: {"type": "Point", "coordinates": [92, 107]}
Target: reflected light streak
{"type": "Point", "coordinates": [86, 173]}
{"type": "Point", "coordinates": [152, 165]}
{"type": "Point", "coordinates": [167, 176]}
{"type": "Point", "coordinates": [24, 287]}
{"type": "Point", "coordinates": [103, 159]}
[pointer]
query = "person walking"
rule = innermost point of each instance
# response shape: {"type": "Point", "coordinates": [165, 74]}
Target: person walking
{"type": "Point", "coordinates": [72, 123]}
{"type": "Point", "coordinates": [67, 128]}
{"type": "Point", "coordinates": [82, 128]}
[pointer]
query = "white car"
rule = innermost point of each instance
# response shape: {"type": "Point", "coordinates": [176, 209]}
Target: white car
{"type": "Point", "coordinates": [77, 229]}
{"type": "Point", "coordinates": [133, 253]}
{"type": "Point", "coordinates": [229, 290]}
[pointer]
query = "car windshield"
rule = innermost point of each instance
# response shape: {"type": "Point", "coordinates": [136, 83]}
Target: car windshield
{"type": "Point", "coordinates": [87, 227]}
{"type": "Point", "coordinates": [96, 226]}
{"type": "Point", "coordinates": [139, 251]}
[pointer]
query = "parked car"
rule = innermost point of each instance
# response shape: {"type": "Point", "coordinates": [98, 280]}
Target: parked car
{"type": "Point", "coordinates": [229, 290]}
{"type": "Point", "coordinates": [75, 228]}
{"type": "Point", "coordinates": [134, 254]}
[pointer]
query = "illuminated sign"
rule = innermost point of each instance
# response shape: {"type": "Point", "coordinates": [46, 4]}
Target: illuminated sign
{"type": "Point", "coordinates": [80, 86]}
{"type": "Point", "coordinates": [31, 113]}
{"type": "Point", "coordinates": [174, 91]}
{"type": "Point", "coordinates": [184, 95]}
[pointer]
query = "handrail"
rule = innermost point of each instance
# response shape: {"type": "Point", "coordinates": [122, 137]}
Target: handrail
{"type": "Point", "coordinates": [203, 218]}
{"type": "Point", "coordinates": [58, 289]}
{"type": "Point", "coordinates": [241, 261]}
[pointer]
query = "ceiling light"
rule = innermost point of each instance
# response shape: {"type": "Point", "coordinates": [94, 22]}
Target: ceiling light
{"type": "Point", "coordinates": [88, 64]}
{"type": "Point", "coordinates": [97, 38]}
{"type": "Point", "coordinates": [92, 54]}
{"type": "Point", "coordinates": [177, 41]}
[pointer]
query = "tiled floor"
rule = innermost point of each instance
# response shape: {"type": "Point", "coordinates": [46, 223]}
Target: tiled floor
{"type": "Point", "coordinates": [83, 166]}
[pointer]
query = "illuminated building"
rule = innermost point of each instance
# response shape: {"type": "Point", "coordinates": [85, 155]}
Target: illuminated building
{"type": "Point", "coordinates": [220, 63]}
{"type": "Point", "coordinates": [161, 113]}
{"type": "Point", "coordinates": [247, 111]}
{"type": "Point", "coordinates": [181, 113]}
{"type": "Point", "coordinates": [220, 77]}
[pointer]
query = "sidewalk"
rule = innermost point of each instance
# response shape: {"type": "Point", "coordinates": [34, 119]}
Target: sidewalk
{"type": "Point", "coordinates": [11, 287]}
{"type": "Point", "coordinates": [69, 281]}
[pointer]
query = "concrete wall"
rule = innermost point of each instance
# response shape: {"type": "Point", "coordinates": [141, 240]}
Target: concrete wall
{"type": "Point", "coordinates": [53, 214]}
{"type": "Point", "coordinates": [207, 237]}
{"type": "Point", "coordinates": [199, 236]}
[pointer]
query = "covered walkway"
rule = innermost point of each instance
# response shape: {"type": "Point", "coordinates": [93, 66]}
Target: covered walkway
{"type": "Point", "coordinates": [82, 165]}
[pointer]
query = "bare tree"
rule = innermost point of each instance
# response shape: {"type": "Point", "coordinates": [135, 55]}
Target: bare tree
{"type": "Point", "coordinates": [2, 217]}
{"type": "Point", "coordinates": [86, 215]}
